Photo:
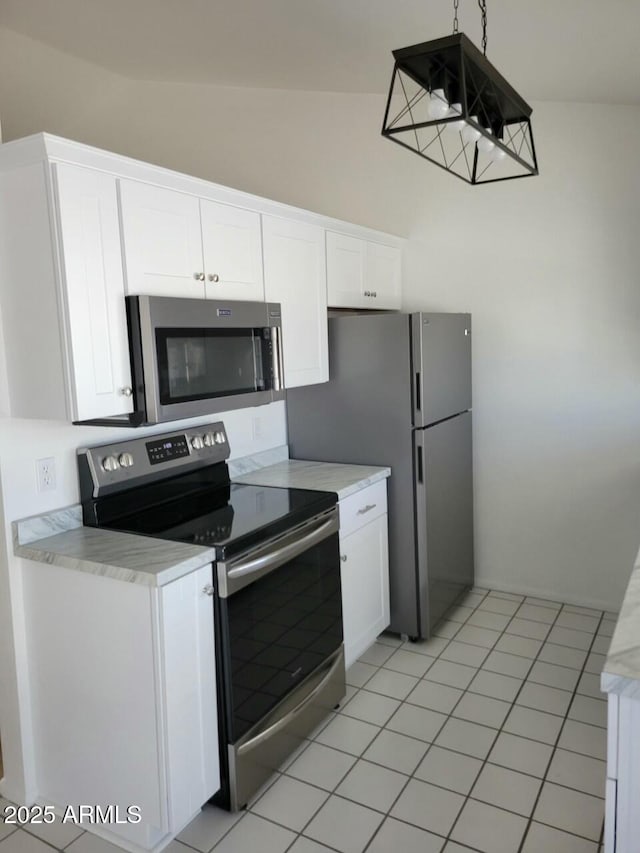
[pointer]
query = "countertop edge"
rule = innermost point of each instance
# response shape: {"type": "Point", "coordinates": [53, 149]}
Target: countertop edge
{"type": "Point", "coordinates": [63, 549]}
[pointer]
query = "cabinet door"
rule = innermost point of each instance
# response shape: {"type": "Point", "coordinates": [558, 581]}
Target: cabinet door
{"type": "Point", "coordinates": [382, 275]}
{"type": "Point", "coordinates": [364, 565]}
{"type": "Point", "coordinates": [232, 252]}
{"type": "Point", "coordinates": [95, 725]}
{"type": "Point", "coordinates": [295, 276]}
{"type": "Point", "coordinates": [345, 271]}
{"type": "Point", "coordinates": [162, 242]}
{"type": "Point", "coordinates": [189, 689]}
{"type": "Point", "coordinates": [93, 291]}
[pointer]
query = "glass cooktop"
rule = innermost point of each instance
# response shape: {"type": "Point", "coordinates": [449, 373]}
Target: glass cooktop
{"type": "Point", "coordinates": [230, 518]}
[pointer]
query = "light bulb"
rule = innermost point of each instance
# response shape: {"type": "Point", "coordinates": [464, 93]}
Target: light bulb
{"type": "Point", "coordinates": [456, 126]}
{"type": "Point", "coordinates": [469, 133]}
{"type": "Point", "coordinates": [438, 106]}
{"type": "Point", "coordinates": [497, 154]}
{"type": "Point", "coordinates": [485, 145]}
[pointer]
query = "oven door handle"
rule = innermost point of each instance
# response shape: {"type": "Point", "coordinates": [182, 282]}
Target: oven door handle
{"type": "Point", "coordinates": [234, 576]}
{"type": "Point", "coordinates": [331, 666]}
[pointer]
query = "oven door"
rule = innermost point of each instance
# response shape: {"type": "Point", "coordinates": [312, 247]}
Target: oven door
{"type": "Point", "coordinates": [280, 653]}
{"type": "Point", "coordinates": [194, 357]}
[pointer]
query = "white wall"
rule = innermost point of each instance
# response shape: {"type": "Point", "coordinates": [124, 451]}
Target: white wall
{"type": "Point", "coordinates": [548, 266]}
{"type": "Point", "coordinates": [316, 150]}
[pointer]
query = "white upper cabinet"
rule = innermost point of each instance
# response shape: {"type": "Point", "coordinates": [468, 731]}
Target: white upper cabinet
{"type": "Point", "coordinates": [295, 276]}
{"type": "Point", "coordinates": [362, 273]}
{"type": "Point", "coordinates": [64, 324]}
{"type": "Point", "coordinates": [382, 269]}
{"type": "Point", "coordinates": [345, 271]}
{"type": "Point", "coordinates": [178, 245]}
{"type": "Point", "coordinates": [162, 242]}
{"type": "Point", "coordinates": [232, 252]}
{"type": "Point", "coordinates": [93, 293]}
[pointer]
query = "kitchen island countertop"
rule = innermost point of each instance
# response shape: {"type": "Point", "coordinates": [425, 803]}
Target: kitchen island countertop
{"type": "Point", "coordinates": [621, 671]}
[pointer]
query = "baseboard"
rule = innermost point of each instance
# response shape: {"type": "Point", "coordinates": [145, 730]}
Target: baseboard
{"type": "Point", "coordinates": [498, 585]}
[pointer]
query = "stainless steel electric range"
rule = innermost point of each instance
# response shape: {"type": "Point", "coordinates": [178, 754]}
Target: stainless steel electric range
{"type": "Point", "coordinates": [276, 600]}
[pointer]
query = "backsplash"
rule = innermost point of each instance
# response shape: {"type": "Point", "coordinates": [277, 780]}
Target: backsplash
{"type": "Point", "coordinates": [22, 442]}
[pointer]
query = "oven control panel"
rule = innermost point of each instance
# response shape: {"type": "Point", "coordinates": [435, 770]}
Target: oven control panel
{"type": "Point", "coordinates": [122, 463]}
{"type": "Point", "coordinates": [171, 447]}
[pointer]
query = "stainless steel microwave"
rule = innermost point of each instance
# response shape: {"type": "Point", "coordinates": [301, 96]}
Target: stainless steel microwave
{"type": "Point", "coordinates": [193, 357]}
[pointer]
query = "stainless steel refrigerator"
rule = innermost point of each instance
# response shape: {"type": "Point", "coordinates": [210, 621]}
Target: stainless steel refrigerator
{"type": "Point", "coordinates": [399, 394]}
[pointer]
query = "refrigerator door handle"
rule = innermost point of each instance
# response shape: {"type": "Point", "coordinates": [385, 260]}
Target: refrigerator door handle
{"type": "Point", "coordinates": [418, 390]}
{"type": "Point", "coordinates": [420, 469]}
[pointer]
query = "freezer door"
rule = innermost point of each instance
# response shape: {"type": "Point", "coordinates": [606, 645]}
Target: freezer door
{"type": "Point", "coordinates": [441, 365]}
{"type": "Point", "coordinates": [444, 516]}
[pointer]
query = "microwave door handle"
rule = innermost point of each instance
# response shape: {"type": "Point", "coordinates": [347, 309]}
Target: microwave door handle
{"type": "Point", "coordinates": [232, 578]}
{"type": "Point", "coordinates": [277, 358]}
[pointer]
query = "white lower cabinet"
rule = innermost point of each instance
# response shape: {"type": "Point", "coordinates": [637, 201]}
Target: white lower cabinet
{"type": "Point", "coordinates": [622, 818]}
{"type": "Point", "coordinates": [123, 694]}
{"type": "Point", "coordinates": [364, 562]}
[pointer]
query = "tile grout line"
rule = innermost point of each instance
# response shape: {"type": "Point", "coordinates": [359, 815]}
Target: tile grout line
{"type": "Point", "coordinates": [512, 704]}
{"type": "Point", "coordinates": [564, 717]}
{"type": "Point", "coordinates": [500, 730]}
{"type": "Point", "coordinates": [412, 777]}
{"type": "Point", "coordinates": [387, 813]}
{"type": "Point", "coordinates": [557, 741]}
{"type": "Point", "coordinates": [524, 680]}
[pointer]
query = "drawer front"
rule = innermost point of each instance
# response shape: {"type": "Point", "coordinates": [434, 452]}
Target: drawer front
{"type": "Point", "coordinates": [361, 508]}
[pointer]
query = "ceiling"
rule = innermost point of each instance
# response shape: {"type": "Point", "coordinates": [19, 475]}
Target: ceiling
{"type": "Point", "coordinates": [580, 50]}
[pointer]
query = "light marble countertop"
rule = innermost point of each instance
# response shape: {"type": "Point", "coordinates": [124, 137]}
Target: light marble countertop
{"type": "Point", "coordinates": [58, 537]}
{"type": "Point", "coordinates": [121, 556]}
{"type": "Point", "coordinates": [621, 672]}
{"type": "Point", "coordinates": [345, 480]}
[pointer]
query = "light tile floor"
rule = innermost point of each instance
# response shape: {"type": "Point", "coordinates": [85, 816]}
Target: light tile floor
{"type": "Point", "coordinates": [489, 737]}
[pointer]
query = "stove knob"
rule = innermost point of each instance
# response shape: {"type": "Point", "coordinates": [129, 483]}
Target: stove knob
{"type": "Point", "coordinates": [220, 438]}
{"type": "Point", "coordinates": [110, 463]}
{"type": "Point", "coordinates": [197, 443]}
{"type": "Point", "coordinates": [126, 460]}
{"type": "Point", "coordinates": [209, 439]}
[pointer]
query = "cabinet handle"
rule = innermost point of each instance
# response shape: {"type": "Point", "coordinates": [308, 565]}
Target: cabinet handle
{"type": "Point", "coordinates": [367, 293]}
{"type": "Point", "coordinates": [374, 293]}
{"type": "Point", "coordinates": [208, 590]}
{"type": "Point", "coordinates": [214, 277]}
{"type": "Point", "coordinates": [127, 391]}
{"type": "Point", "coordinates": [343, 557]}
{"type": "Point", "coordinates": [366, 508]}
{"type": "Point", "coordinates": [199, 276]}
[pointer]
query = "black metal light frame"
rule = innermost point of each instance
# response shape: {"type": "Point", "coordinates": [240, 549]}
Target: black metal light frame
{"type": "Point", "coordinates": [488, 105]}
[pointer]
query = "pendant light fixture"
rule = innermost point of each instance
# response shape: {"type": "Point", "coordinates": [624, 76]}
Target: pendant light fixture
{"type": "Point", "coordinates": [449, 104]}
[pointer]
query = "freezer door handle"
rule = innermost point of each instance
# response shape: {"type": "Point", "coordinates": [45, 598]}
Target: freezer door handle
{"type": "Point", "coordinates": [420, 471]}
{"type": "Point", "coordinates": [418, 401]}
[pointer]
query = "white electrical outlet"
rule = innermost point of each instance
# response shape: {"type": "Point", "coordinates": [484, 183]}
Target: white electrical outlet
{"type": "Point", "coordinates": [257, 428]}
{"type": "Point", "coordinates": [46, 474]}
